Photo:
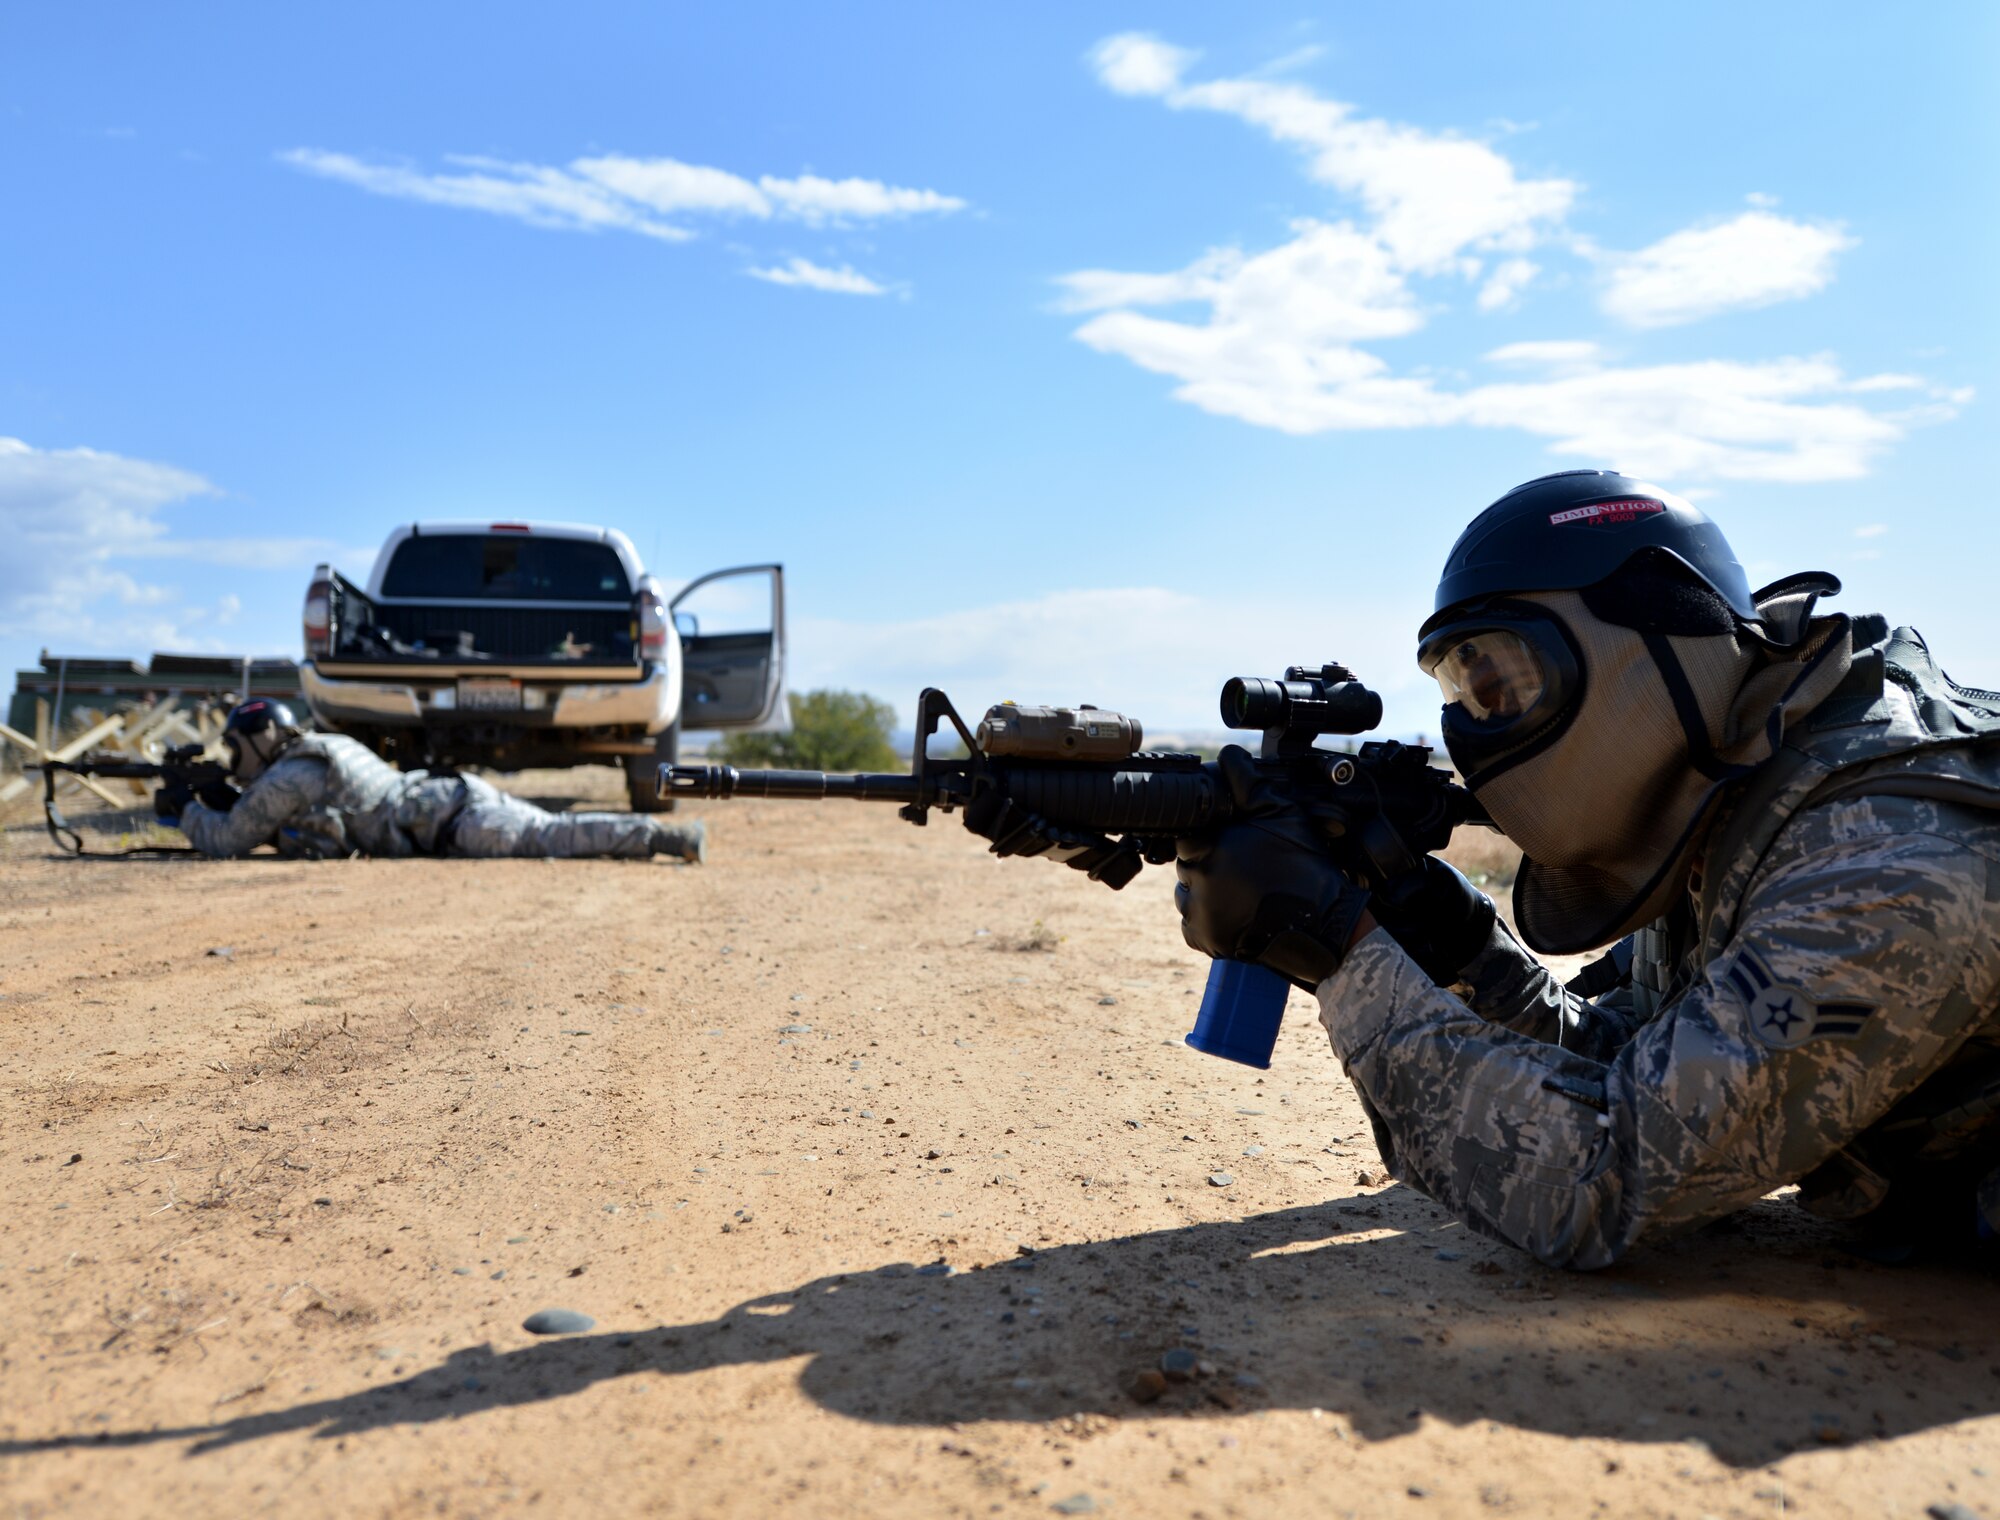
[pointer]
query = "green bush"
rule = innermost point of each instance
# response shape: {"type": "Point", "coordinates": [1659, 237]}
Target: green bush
{"type": "Point", "coordinates": [831, 731]}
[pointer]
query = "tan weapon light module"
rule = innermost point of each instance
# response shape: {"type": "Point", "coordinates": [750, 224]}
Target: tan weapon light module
{"type": "Point", "coordinates": [1058, 733]}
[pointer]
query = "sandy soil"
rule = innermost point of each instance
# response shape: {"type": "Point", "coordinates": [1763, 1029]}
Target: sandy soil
{"type": "Point", "coordinates": [882, 1171]}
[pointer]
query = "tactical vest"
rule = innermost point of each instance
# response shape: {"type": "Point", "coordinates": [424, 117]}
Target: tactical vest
{"type": "Point", "coordinates": [1897, 726]}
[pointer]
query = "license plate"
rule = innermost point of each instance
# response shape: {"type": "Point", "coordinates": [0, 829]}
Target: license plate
{"type": "Point", "coordinates": [489, 694]}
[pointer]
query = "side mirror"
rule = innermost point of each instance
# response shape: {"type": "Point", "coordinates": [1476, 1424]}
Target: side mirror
{"type": "Point", "coordinates": [687, 625]}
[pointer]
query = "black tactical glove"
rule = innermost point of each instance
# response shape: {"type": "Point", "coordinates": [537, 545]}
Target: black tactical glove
{"type": "Point", "coordinates": [172, 800]}
{"type": "Point", "coordinates": [1016, 831]}
{"type": "Point", "coordinates": [1263, 887]}
{"type": "Point", "coordinates": [218, 794]}
{"type": "Point", "coordinates": [1439, 918]}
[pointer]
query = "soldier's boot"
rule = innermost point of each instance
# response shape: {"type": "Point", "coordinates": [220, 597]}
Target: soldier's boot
{"type": "Point", "coordinates": [683, 841]}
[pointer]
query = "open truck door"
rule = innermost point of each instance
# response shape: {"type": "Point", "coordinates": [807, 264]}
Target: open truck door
{"type": "Point", "coordinates": [732, 631]}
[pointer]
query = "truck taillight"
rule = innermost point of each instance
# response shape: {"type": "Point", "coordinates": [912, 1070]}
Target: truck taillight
{"type": "Point", "coordinates": [653, 627]}
{"type": "Point", "coordinates": [319, 619]}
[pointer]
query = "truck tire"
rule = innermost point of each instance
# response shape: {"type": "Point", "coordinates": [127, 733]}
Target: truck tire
{"type": "Point", "coordinates": [642, 773]}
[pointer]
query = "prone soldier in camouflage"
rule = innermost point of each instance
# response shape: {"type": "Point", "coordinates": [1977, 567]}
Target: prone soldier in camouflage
{"type": "Point", "coordinates": [326, 795]}
{"type": "Point", "coordinates": [1789, 825]}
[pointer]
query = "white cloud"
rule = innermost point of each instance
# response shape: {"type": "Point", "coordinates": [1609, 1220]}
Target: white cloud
{"type": "Point", "coordinates": [1710, 419]}
{"type": "Point", "coordinates": [1754, 259]}
{"type": "Point", "coordinates": [1100, 289]}
{"type": "Point", "coordinates": [526, 192]}
{"type": "Point", "coordinates": [1893, 383]}
{"type": "Point", "coordinates": [814, 200]}
{"type": "Point", "coordinates": [807, 275]}
{"type": "Point", "coordinates": [79, 506]}
{"type": "Point", "coordinates": [1136, 64]}
{"type": "Point", "coordinates": [252, 553]}
{"type": "Point", "coordinates": [69, 517]}
{"type": "Point", "coordinates": [1153, 653]}
{"type": "Point", "coordinates": [1504, 286]}
{"type": "Point", "coordinates": [669, 186]}
{"type": "Point", "coordinates": [1782, 419]}
{"type": "Point", "coordinates": [1550, 353]}
{"type": "Point", "coordinates": [615, 192]}
{"type": "Point", "coordinates": [1431, 195]}
{"type": "Point", "coordinates": [1871, 530]}
{"type": "Point", "coordinates": [1278, 346]}
{"type": "Point", "coordinates": [1282, 338]}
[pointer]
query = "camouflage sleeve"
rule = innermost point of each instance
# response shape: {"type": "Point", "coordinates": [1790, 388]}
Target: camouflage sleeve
{"type": "Point", "coordinates": [285, 792]}
{"type": "Point", "coordinates": [1865, 953]}
{"type": "Point", "coordinates": [1506, 985]}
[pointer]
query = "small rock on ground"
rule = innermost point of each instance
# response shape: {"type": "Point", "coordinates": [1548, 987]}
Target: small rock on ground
{"type": "Point", "coordinates": [557, 1322]}
{"type": "Point", "coordinates": [1179, 1364]}
{"type": "Point", "coordinates": [1220, 1179]}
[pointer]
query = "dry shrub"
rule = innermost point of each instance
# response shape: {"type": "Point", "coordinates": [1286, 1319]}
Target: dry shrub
{"type": "Point", "coordinates": [1040, 938]}
{"type": "Point", "coordinates": [331, 1047]}
{"type": "Point", "coordinates": [317, 1047]}
{"type": "Point", "coordinates": [159, 1322]}
{"type": "Point", "coordinates": [319, 1312]}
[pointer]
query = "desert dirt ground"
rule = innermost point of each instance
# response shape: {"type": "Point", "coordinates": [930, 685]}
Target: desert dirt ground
{"type": "Point", "coordinates": [881, 1169]}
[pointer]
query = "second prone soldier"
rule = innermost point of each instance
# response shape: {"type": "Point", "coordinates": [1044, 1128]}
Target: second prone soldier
{"type": "Point", "coordinates": [318, 796]}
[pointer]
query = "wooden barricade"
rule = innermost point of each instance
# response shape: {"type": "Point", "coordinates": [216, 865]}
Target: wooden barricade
{"type": "Point", "coordinates": [142, 732]}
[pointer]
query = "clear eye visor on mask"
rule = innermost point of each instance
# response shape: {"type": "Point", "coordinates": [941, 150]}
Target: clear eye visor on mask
{"type": "Point", "coordinates": [1508, 672]}
{"type": "Point", "coordinates": [1493, 673]}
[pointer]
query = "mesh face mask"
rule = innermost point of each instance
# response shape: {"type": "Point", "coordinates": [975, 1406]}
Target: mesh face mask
{"type": "Point", "coordinates": [245, 764]}
{"type": "Point", "coordinates": [1607, 803]}
{"type": "Point", "coordinates": [250, 755]}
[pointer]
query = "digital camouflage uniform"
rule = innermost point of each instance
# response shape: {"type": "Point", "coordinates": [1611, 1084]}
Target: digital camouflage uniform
{"type": "Point", "coordinates": [329, 795]}
{"type": "Point", "coordinates": [1825, 1010]}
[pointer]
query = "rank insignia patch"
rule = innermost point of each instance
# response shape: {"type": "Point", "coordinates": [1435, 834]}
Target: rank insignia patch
{"type": "Point", "coordinates": [1784, 1016]}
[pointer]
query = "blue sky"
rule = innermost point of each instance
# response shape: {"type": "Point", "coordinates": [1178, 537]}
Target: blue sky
{"type": "Point", "coordinates": [1061, 352]}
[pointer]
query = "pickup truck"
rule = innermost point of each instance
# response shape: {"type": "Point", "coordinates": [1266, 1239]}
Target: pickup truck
{"type": "Point", "coordinates": [517, 644]}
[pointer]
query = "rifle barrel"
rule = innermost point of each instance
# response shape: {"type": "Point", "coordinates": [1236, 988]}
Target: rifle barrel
{"type": "Point", "coordinates": [131, 770]}
{"type": "Point", "coordinates": [721, 781]}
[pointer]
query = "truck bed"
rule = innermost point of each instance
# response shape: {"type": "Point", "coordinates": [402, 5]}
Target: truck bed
{"type": "Point", "coordinates": [430, 633]}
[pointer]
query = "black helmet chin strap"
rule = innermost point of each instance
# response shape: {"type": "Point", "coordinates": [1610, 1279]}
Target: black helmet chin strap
{"type": "Point", "coordinates": [1701, 753]}
{"type": "Point", "coordinates": [265, 745]}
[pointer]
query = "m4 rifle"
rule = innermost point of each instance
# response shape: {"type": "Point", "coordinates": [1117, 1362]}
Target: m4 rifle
{"type": "Point", "coordinates": [1075, 785]}
{"type": "Point", "coordinates": [181, 772]}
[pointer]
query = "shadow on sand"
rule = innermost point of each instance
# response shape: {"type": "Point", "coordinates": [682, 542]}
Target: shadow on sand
{"type": "Point", "coordinates": [1757, 1340]}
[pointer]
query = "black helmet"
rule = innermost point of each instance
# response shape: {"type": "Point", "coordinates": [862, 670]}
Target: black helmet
{"type": "Point", "coordinates": [254, 735]}
{"type": "Point", "coordinates": [257, 715]}
{"type": "Point", "coordinates": [1569, 530]}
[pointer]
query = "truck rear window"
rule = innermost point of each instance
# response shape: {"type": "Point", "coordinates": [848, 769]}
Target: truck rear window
{"type": "Point", "coordinates": [466, 566]}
